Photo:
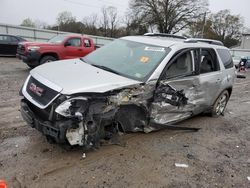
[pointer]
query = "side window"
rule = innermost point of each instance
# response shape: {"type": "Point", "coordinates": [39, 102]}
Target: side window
{"type": "Point", "coordinates": [75, 42]}
{"type": "Point", "coordinates": [14, 39]}
{"type": "Point", "coordinates": [209, 62]}
{"type": "Point", "coordinates": [181, 66]}
{"type": "Point", "coordinates": [86, 43]}
{"type": "Point", "coordinates": [4, 39]}
{"type": "Point", "coordinates": [226, 58]}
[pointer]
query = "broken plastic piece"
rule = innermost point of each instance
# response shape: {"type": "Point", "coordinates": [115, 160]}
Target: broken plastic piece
{"type": "Point", "coordinates": [248, 177]}
{"type": "Point", "coordinates": [84, 155]}
{"type": "Point", "coordinates": [174, 127]}
{"type": "Point", "coordinates": [181, 165]}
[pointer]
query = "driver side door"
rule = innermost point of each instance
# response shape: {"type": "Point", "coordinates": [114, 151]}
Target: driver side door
{"type": "Point", "coordinates": [73, 48]}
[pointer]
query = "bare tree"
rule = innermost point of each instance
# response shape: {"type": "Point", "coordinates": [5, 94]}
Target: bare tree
{"type": "Point", "coordinates": [225, 25]}
{"type": "Point", "coordinates": [109, 21]}
{"type": "Point", "coordinates": [40, 24]}
{"type": "Point", "coordinates": [170, 16]}
{"type": "Point", "coordinates": [64, 18]}
{"type": "Point", "coordinates": [28, 23]}
{"type": "Point", "coordinates": [105, 21]}
{"type": "Point", "coordinates": [113, 19]}
{"type": "Point", "coordinates": [90, 24]}
{"type": "Point", "coordinates": [221, 26]}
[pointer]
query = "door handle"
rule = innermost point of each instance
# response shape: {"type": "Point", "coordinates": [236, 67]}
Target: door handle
{"type": "Point", "coordinates": [79, 49]}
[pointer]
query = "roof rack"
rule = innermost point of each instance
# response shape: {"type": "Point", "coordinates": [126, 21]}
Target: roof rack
{"type": "Point", "coordinates": [164, 35]}
{"type": "Point", "coordinates": [209, 41]}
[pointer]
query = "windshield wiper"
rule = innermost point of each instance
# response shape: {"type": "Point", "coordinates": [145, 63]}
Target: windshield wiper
{"type": "Point", "coordinates": [106, 68]}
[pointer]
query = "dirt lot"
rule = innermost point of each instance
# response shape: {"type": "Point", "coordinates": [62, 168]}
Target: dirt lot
{"type": "Point", "coordinates": [218, 155]}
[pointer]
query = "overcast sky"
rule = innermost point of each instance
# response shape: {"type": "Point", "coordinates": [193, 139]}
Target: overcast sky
{"type": "Point", "coordinates": [14, 11]}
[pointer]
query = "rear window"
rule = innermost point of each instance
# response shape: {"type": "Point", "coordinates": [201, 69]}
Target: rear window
{"type": "Point", "coordinates": [226, 58]}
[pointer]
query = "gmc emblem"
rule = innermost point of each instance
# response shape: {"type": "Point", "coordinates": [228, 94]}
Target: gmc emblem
{"type": "Point", "coordinates": [35, 89]}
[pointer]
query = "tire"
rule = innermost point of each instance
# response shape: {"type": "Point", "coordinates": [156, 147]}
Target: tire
{"type": "Point", "coordinates": [47, 59]}
{"type": "Point", "coordinates": [220, 104]}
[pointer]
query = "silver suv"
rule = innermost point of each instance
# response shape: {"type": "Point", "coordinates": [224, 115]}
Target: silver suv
{"type": "Point", "coordinates": [135, 83]}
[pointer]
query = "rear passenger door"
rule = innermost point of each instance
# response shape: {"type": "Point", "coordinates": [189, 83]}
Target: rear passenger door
{"type": "Point", "coordinates": [88, 46]}
{"type": "Point", "coordinates": [210, 76]}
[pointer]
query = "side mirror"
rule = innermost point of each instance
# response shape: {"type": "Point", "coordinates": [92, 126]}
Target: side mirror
{"type": "Point", "coordinates": [67, 44]}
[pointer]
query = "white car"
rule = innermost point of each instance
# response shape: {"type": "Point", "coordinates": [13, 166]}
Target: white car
{"type": "Point", "coordinates": [135, 83]}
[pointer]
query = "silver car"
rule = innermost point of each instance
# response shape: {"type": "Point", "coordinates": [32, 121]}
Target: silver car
{"type": "Point", "coordinates": [135, 83]}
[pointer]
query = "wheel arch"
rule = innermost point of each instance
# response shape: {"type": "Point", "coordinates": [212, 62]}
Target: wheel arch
{"type": "Point", "coordinates": [132, 117]}
{"type": "Point", "coordinates": [53, 54]}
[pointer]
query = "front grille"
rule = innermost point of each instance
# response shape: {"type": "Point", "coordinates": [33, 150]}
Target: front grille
{"type": "Point", "coordinates": [40, 92]}
{"type": "Point", "coordinates": [21, 49]}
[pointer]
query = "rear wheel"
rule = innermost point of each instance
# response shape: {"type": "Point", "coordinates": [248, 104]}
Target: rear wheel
{"type": "Point", "coordinates": [47, 59]}
{"type": "Point", "coordinates": [220, 104]}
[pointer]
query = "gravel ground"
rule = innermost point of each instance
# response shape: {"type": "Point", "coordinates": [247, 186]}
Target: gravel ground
{"type": "Point", "coordinates": [217, 156]}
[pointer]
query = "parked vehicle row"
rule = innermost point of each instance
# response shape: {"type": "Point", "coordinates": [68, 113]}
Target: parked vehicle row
{"type": "Point", "coordinates": [9, 43]}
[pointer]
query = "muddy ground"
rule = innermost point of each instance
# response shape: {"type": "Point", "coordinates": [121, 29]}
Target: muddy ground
{"type": "Point", "coordinates": [218, 155]}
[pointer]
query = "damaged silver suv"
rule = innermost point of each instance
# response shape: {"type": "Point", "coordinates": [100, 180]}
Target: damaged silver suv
{"type": "Point", "coordinates": [135, 83]}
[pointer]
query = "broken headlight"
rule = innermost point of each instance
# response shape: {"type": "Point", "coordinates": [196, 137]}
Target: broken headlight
{"type": "Point", "coordinates": [72, 106]}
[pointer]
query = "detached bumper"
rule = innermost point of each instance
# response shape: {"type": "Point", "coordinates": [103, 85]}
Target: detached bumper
{"type": "Point", "coordinates": [31, 58]}
{"type": "Point", "coordinates": [56, 130]}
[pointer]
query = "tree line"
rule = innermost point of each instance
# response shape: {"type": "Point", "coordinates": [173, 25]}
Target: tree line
{"type": "Point", "coordinates": [190, 18]}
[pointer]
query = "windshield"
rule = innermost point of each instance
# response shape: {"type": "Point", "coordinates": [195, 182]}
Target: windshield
{"type": "Point", "coordinates": [130, 59]}
{"type": "Point", "coordinates": [57, 39]}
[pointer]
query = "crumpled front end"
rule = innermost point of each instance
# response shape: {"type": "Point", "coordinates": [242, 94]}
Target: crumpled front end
{"type": "Point", "coordinates": [88, 119]}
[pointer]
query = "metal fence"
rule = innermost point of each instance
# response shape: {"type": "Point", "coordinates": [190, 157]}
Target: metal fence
{"type": "Point", "coordinates": [239, 53]}
{"type": "Point", "coordinates": [34, 34]}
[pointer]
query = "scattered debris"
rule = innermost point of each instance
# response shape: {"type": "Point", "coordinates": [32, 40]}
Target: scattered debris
{"type": "Point", "coordinates": [189, 156]}
{"type": "Point", "coordinates": [248, 177]}
{"type": "Point", "coordinates": [16, 145]}
{"type": "Point", "coordinates": [45, 150]}
{"type": "Point", "coordinates": [181, 165]}
{"type": "Point", "coordinates": [237, 146]}
{"type": "Point", "coordinates": [35, 177]}
{"type": "Point", "coordinates": [226, 155]}
{"type": "Point", "coordinates": [84, 155]}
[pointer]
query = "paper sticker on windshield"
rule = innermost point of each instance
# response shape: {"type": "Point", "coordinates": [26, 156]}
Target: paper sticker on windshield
{"type": "Point", "coordinates": [144, 59]}
{"type": "Point", "coordinates": [154, 49]}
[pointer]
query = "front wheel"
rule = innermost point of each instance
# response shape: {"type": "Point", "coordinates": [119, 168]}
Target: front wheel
{"type": "Point", "coordinates": [220, 104]}
{"type": "Point", "coordinates": [47, 59]}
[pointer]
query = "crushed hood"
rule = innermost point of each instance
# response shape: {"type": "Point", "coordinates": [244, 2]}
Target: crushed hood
{"type": "Point", "coordinates": [75, 76]}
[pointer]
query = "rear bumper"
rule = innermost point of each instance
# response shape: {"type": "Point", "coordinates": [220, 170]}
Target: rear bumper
{"type": "Point", "coordinates": [56, 130]}
{"type": "Point", "coordinates": [31, 58]}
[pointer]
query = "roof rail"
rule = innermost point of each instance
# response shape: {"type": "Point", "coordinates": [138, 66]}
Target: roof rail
{"type": "Point", "coordinates": [164, 35]}
{"type": "Point", "coordinates": [209, 41]}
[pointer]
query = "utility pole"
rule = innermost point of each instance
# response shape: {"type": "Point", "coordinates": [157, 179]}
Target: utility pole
{"type": "Point", "coordinates": [204, 23]}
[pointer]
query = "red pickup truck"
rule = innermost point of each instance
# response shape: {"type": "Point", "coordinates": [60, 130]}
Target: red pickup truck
{"type": "Point", "coordinates": [58, 48]}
